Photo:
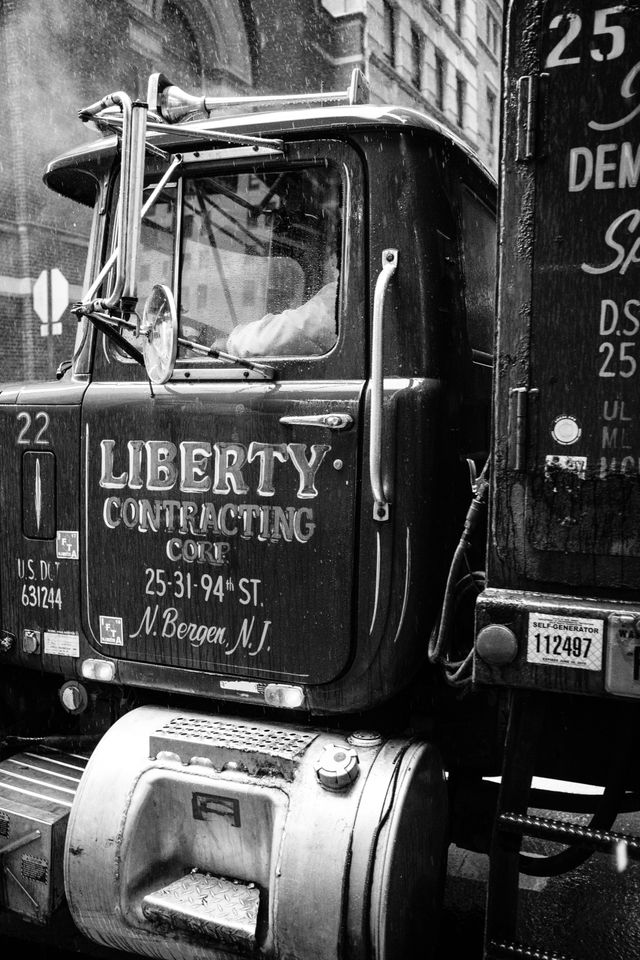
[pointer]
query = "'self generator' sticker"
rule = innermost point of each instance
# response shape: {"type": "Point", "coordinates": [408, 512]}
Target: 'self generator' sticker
{"type": "Point", "coordinates": [61, 643]}
{"type": "Point", "coordinates": [565, 641]}
{"type": "Point", "coordinates": [111, 631]}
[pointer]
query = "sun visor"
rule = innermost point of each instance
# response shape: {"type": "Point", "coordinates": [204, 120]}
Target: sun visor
{"type": "Point", "coordinates": [77, 174]}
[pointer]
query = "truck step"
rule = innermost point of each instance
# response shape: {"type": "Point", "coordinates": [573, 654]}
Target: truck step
{"type": "Point", "coordinates": [209, 906]}
{"type": "Point", "coordinates": [503, 950]}
{"type": "Point", "coordinates": [570, 833]}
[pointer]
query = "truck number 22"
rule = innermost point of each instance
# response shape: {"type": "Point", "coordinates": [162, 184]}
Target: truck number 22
{"type": "Point", "coordinates": [41, 421]}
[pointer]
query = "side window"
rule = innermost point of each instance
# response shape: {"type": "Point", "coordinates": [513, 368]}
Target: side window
{"type": "Point", "coordinates": [155, 255]}
{"type": "Point", "coordinates": [157, 241]}
{"type": "Point", "coordinates": [478, 241]}
{"type": "Point", "coordinates": [260, 256]}
{"type": "Point", "coordinates": [254, 257]}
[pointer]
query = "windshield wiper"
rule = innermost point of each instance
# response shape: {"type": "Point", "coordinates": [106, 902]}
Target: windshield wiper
{"type": "Point", "coordinates": [229, 358]}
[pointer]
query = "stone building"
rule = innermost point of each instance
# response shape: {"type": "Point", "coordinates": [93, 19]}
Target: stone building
{"type": "Point", "coordinates": [59, 55]}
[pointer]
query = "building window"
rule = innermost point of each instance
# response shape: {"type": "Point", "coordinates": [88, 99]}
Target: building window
{"type": "Point", "coordinates": [417, 48]}
{"type": "Point", "coordinates": [389, 31]}
{"type": "Point", "coordinates": [441, 68]}
{"type": "Point", "coordinates": [459, 10]}
{"type": "Point", "coordinates": [492, 33]}
{"type": "Point", "coordinates": [491, 116]}
{"type": "Point", "coordinates": [461, 94]}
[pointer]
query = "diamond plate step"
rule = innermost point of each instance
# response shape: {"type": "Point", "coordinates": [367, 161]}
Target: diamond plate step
{"type": "Point", "coordinates": [223, 910]}
{"type": "Point", "coordinates": [258, 748]}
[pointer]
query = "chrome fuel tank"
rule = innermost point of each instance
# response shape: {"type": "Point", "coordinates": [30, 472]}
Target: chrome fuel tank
{"type": "Point", "coordinates": [196, 836]}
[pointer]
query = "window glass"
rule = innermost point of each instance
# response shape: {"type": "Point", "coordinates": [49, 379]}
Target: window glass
{"type": "Point", "coordinates": [461, 95]}
{"type": "Point", "coordinates": [260, 262]}
{"type": "Point", "coordinates": [440, 80]}
{"type": "Point", "coordinates": [157, 240]}
{"type": "Point", "coordinates": [417, 45]}
{"type": "Point", "coordinates": [389, 32]}
{"type": "Point", "coordinates": [155, 254]}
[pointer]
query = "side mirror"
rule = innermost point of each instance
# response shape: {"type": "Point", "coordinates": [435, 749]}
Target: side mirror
{"type": "Point", "coordinates": [159, 329]}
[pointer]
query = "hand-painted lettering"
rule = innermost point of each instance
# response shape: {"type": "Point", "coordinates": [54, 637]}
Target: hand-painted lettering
{"type": "Point", "coordinates": [196, 466]}
{"type": "Point", "coordinates": [615, 238]}
{"type": "Point", "coordinates": [611, 166]}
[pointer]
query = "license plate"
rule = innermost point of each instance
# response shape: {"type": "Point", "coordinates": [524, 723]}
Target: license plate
{"type": "Point", "coordinates": [622, 674]}
{"type": "Point", "coordinates": [565, 641]}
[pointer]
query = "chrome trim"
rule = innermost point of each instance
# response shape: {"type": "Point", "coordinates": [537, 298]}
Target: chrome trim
{"type": "Point", "coordinates": [38, 495]}
{"type": "Point", "coordinates": [174, 104]}
{"type": "Point", "coordinates": [231, 153]}
{"type": "Point", "coordinates": [123, 101]}
{"type": "Point", "coordinates": [133, 217]}
{"type": "Point", "coordinates": [381, 504]}
{"type": "Point", "coordinates": [407, 578]}
{"type": "Point", "coordinates": [330, 421]}
{"type": "Point", "coordinates": [378, 570]}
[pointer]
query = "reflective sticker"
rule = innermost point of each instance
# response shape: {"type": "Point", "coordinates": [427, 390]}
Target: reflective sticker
{"type": "Point", "coordinates": [67, 543]}
{"type": "Point", "coordinates": [241, 686]}
{"type": "Point", "coordinates": [111, 631]}
{"type": "Point", "coordinates": [566, 430]}
{"type": "Point", "coordinates": [61, 643]}
{"type": "Point", "coordinates": [565, 641]}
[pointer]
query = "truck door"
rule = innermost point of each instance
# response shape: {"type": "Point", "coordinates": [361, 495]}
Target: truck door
{"type": "Point", "coordinates": [220, 507]}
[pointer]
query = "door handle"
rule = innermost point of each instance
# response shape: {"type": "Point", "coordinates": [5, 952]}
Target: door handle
{"type": "Point", "coordinates": [329, 421]}
{"type": "Point", "coordinates": [381, 504]}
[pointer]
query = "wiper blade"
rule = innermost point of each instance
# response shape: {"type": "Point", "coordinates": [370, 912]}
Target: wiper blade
{"type": "Point", "coordinates": [110, 327]}
{"type": "Point", "coordinates": [230, 358]}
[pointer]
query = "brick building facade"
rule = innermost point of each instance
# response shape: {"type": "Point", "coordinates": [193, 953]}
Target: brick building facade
{"type": "Point", "coordinates": [60, 55]}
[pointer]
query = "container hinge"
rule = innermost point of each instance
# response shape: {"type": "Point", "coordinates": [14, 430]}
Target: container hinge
{"type": "Point", "coordinates": [519, 415]}
{"type": "Point", "coordinates": [529, 90]}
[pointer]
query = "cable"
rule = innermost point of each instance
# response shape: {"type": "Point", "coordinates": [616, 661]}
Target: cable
{"type": "Point", "coordinates": [458, 672]}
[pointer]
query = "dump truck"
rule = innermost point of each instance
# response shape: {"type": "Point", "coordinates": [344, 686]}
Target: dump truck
{"type": "Point", "coordinates": [266, 655]}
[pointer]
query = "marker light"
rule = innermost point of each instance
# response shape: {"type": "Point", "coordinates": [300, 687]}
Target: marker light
{"type": "Point", "coordinates": [283, 695]}
{"type": "Point", "coordinates": [103, 670]}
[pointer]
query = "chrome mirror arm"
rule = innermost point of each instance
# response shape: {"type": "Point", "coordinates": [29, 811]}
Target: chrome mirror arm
{"type": "Point", "coordinates": [87, 300]}
{"type": "Point", "coordinates": [134, 122]}
{"type": "Point", "coordinates": [122, 100]}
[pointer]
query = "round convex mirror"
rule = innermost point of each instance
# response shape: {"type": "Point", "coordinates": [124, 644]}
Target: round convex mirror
{"type": "Point", "coordinates": [160, 330]}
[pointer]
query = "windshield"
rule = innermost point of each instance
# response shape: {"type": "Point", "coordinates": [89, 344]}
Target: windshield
{"type": "Point", "coordinates": [259, 261]}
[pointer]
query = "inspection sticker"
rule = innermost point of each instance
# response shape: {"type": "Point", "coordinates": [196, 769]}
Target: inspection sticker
{"type": "Point", "coordinates": [62, 643]}
{"type": "Point", "coordinates": [565, 641]}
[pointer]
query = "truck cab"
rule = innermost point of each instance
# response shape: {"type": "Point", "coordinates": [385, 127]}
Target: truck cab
{"type": "Point", "coordinates": [234, 513]}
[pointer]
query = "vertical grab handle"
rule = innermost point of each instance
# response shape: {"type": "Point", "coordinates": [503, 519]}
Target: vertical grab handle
{"type": "Point", "coordinates": [381, 504]}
